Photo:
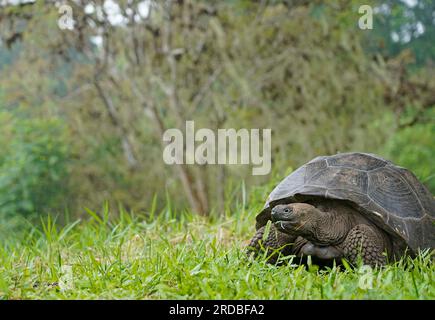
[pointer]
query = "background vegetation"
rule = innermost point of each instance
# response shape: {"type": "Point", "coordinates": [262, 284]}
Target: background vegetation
{"type": "Point", "coordinates": [125, 74]}
{"type": "Point", "coordinates": [82, 113]}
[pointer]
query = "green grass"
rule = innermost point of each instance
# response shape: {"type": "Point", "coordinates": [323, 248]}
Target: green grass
{"type": "Point", "coordinates": [188, 257]}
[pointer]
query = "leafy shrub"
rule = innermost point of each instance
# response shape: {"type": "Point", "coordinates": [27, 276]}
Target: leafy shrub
{"type": "Point", "coordinates": [413, 147]}
{"type": "Point", "coordinates": [32, 164]}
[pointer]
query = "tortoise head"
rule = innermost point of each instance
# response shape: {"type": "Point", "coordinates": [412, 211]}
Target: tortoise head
{"type": "Point", "coordinates": [296, 218]}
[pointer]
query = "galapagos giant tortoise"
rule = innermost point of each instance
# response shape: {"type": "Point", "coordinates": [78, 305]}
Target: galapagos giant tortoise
{"type": "Point", "coordinates": [349, 205]}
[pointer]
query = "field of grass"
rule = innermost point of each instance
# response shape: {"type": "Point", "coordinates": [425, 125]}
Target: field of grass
{"type": "Point", "coordinates": [181, 256]}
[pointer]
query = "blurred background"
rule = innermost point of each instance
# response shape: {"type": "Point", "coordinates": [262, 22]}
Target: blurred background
{"type": "Point", "coordinates": [82, 111]}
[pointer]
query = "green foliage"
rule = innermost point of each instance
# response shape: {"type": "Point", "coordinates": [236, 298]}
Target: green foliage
{"type": "Point", "coordinates": [32, 165]}
{"type": "Point", "coordinates": [413, 147]}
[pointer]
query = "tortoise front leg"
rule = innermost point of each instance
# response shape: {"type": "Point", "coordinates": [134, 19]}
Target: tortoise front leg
{"type": "Point", "coordinates": [276, 240]}
{"type": "Point", "coordinates": [366, 242]}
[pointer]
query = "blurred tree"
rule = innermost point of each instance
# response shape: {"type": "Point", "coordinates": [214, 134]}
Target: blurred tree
{"type": "Point", "coordinates": [401, 25]}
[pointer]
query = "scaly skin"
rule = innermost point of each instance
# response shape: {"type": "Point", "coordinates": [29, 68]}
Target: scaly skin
{"type": "Point", "coordinates": [366, 242]}
{"type": "Point", "coordinates": [276, 243]}
{"type": "Point", "coordinates": [279, 243]}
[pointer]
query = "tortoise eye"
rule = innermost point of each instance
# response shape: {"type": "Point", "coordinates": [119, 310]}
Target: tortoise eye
{"type": "Point", "coordinates": [286, 210]}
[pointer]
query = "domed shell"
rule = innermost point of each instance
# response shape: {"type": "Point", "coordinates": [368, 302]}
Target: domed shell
{"type": "Point", "coordinates": [388, 195]}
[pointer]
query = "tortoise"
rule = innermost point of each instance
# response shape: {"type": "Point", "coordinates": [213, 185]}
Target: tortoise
{"type": "Point", "coordinates": [356, 206]}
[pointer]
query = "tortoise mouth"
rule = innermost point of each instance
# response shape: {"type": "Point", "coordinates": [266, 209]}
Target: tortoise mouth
{"type": "Point", "coordinates": [284, 225]}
